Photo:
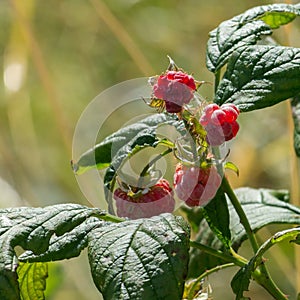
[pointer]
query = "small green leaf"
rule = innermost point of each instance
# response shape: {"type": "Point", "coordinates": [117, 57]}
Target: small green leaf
{"type": "Point", "coordinates": [296, 240]}
{"type": "Point", "coordinates": [32, 280]}
{"type": "Point", "coordinates": [231, 166]}
{"type": "Point", "coordinates": [138, 259]}
{"type": "Point", "coordinates": [118, 146]}
{"type": "Point", "coordinates": [275, 19]}
{"type": "Point", "coordinates": [295, 104]}
{"type": "Point", "coordinates": [260, 76]}
{"type": "Point", "coordinates": [241, 281]}
{"type": "Point", "coordinates": [245, 30]}
{"type": "Point", "coordinates": [217, 216]}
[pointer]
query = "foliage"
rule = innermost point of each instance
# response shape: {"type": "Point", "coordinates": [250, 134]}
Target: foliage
{"type": "Point", "coordinates": [138, 259]}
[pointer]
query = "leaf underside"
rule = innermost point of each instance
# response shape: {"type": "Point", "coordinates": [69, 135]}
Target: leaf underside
{"type": "Point", "coordinates": [32, 280]}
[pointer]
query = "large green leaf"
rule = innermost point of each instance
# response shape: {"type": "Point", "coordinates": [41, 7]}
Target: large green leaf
{"type": "Point", "coordinates": [244, 30]}
{"type": "Point", "coordinates": [32, 229]}
{"type": "Point", "coordinates": [141, 259]}
{"type": "Point", "coordinates": [116, 147]}
{"type": "Point", "coordinates": [32, 280]}
{"type": "Point", "coordinates": [262, 207]}
{"type": "Point", "coordinates": [260, 76]}
{"type": "Point", "coordinates": [295, 103]}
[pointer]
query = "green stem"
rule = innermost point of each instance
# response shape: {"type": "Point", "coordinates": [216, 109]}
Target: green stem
{"type": "Point", "coordinates": [261, 275]}
{"type": "Point", "coordinates": [268, 284]}
{"type": "Point", "coordinates": [238, 208]}
{"type": "Point", "coordinates": [194, 287]}
{"type": "Point", "coordinates": [151, 163]}
{"type": "Point", "coordinates": [217, 253]}
{"type": "Point", "coordinates": [154, 160]}
{"type": "Point", "coordinates": [109, 218]}
{"type": "Point", "coordinates": [110, 193]}
{"type": "Point", "coordinates": [217, 79]}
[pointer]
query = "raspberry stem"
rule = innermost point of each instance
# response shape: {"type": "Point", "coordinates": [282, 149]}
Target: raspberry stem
{"type": "Point", "coordinates": [151, 163]}
{"type": "Point", "coordinates": [110, 218]}
{"type": "Point", "coordinates": [217, 253]}
{"type": "Point", "coordinates": [194, 287]}
{"type": "Point", "coordinates": [238, 208]}
{"type": "Point", "coordinates": [217, 79]}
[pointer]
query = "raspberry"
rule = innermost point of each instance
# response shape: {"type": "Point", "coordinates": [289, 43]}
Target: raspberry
{"type": "Point", "coordinates": [182, 78]}
{"type": "Point", "coordinates": [196, 186]}
{"type": "Point", "coordinates": [145, 204]}
{"type": "Point", "coordinates": [220, 123]}
{"type": "Point", "coordinates": [175, 88]}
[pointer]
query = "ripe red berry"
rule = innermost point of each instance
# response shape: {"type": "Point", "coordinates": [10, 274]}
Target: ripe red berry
{"type": "Point", "coordinates": [147, 203]}
{"type": "Point", "coordinates": [175, 88]}
{"type": "Point", "coordinates": [220, 123]}
{"type": "Point", "coordinates": [196, 186]}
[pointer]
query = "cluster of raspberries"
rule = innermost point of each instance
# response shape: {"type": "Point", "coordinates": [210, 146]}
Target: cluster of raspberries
{"type": "Point", "coordinates": [175, 88]}
{"type": "Point", "coordinates": [194, 185]}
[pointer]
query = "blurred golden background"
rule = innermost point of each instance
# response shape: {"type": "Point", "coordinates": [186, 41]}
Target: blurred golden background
{"type": "Point", "coordinates": [56, 56]}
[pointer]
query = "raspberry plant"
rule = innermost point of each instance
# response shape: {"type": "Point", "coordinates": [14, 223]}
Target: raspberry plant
{"type": "Point", "coordinates": [138, 248]}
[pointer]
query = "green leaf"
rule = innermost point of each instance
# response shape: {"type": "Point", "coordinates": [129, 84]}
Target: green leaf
{"type": "Point", "coordinates": [262, 207]}
{"type": "Point", "coordinates": [295, 104]}
{"type": "Point", "coordinates": [32, 229]}
{"type": "Point", "coordinates": [275, 19]}
{"type": "Point", "coordinates": [32, 280]}
{"type": "Point", "coordinates": [138, 259]}
{"type": "Point", "coordinates": [199, 260]}
{"type": "Point", "coordinates": [116, 147]}
{"type": "Point", "coordinates": [260, 76]}
{"type": "Point", "coordinates": [217, 216]}
{"type": "Point", "coordinates": [231, 166]}
{"type": "Point", "coordinates": [241, 280]}
{"type": "Point", "coordinates": [67, 246]}
{"type": "Point", "coordinates": [245, 30]}
{"type": "Point", "coordinates": [194, 216]}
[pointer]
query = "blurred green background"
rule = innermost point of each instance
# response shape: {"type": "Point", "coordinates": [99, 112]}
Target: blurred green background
{"type": "Point", "coordinates": [56, 56]}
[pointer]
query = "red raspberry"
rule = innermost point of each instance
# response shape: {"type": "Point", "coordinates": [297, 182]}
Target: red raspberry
{"type": "Point", "coordinates": [182, 78]}
{"type": "Point", "coordinates": [158, 199]}
{"type": "Point", "coordinates": [196, 186]}
{"type": "Point", "coordinates": [175, 88]}
{"type": "Point", "coordinates": [220, 123]}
